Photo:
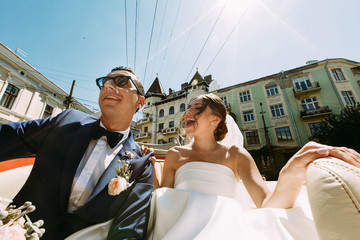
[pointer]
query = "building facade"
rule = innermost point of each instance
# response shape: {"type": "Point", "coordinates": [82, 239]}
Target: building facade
{"type": "Point", "coordinates": [277, 114]}
{"type": "Point", "coordinates": [162, 112]}
{"type": "Point", "coordinates": [26, 94]}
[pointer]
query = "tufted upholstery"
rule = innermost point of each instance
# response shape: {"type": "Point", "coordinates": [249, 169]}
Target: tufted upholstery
{"type": "Point", "coordinates": [333, 188]}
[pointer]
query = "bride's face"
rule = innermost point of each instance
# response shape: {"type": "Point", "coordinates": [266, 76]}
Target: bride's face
{"type": "Point", "coordinates": [197, 119]}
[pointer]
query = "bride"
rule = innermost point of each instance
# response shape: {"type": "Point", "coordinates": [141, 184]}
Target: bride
{"type": "Point", "coordinates": [198, 198]}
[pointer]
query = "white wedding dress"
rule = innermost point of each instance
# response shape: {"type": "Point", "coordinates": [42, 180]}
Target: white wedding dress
{"type": "Point", "coordinates": [208, 203]}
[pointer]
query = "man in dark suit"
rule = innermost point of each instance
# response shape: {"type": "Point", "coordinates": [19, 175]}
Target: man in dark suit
{"type": "Point", "coordinates": [76, 159]}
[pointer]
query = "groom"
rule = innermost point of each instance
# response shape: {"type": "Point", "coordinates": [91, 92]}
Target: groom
{"type": "Point", "coordinates": [76, 159]}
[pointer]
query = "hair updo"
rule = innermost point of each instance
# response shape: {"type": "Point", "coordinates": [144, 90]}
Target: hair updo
{"type": "Point", "coordinates": [218, 108]}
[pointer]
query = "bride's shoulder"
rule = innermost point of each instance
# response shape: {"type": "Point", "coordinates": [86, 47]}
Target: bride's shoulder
{"type": "Point", "coordinates": [237, 152]}
{"type": "Point", "coordinates": [176, 152]}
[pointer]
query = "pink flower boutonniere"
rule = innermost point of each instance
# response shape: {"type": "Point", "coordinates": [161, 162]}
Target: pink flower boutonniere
{"type": "Point", "coordinates": [123, 173]}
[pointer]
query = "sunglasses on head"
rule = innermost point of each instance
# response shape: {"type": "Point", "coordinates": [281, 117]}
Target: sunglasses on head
{"type": "Point", "coordinates": [119, 81]}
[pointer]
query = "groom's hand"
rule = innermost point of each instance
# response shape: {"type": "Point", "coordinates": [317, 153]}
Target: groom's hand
{"type": "Point", "coordinates": [145, 150]}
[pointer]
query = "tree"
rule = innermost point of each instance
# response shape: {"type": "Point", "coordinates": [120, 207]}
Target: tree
{"type": "Point", "coordinates": [342, 129]}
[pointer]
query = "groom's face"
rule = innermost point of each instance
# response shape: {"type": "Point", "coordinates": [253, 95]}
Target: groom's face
{"type": "Point", "coordinates": [115, 101]}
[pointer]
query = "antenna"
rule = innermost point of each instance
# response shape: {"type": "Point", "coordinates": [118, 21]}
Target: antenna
{"type": "Point", "coordinates": [21, 52]}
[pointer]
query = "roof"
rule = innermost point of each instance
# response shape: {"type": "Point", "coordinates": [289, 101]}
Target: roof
{"type": "Point", "coordinates": [155, 89]}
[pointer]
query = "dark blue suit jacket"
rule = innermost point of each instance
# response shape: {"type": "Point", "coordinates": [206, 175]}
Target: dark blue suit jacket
{"type": "Point", "coordinates": [59, 144]}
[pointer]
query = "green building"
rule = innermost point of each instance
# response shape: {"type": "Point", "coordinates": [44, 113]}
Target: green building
{"type": "Point", "coordinates": [282, 112]}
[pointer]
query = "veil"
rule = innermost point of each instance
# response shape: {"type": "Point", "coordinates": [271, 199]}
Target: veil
{"type": "Point", "coordinates": [234, 136]}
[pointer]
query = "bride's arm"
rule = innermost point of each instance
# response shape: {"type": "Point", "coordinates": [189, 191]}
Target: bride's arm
{"type": "Point", "coordinates": [292, 175]}
{"type": "Point", "coordinates": [168, 175]}
{"type": "Point", "coordinates": [249, 173]}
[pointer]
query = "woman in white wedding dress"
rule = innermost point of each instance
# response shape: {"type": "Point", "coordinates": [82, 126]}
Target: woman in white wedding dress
{"type": "Point", "coordinates": [200, 196]}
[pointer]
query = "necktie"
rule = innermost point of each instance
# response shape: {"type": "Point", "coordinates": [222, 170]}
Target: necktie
{"type": "Point", "coordinates": [113, 138]}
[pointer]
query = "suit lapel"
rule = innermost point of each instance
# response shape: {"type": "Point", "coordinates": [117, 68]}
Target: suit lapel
{"type": "Point", "coordinates": [110, 173]}
{"type": "Point", "coordinates": [76, 151]}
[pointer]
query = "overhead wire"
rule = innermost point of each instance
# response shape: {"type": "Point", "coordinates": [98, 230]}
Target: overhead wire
{"type": "Point", "coordinates": [160, 34]}
{"type": "Point", "coordinates": [58, 71]}
{"type": "Point", "coordinates": [207, 39]}
{"type": "Point", "coordinates": [222, 46]}
{"type": "Point", "coordinates": [126, 36]}
{"type": "Point", "coordinates": [152, 30]}
{"type": "Point", "coordinates": [172, 31]}
{"type": "Point", "coordinates": [187, 39]}
{"type": "Point", "coordinates": [136, 31]}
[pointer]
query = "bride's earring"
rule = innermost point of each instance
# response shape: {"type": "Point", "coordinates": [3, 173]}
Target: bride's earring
{"type": "Point", "coordinates": [212, 123]}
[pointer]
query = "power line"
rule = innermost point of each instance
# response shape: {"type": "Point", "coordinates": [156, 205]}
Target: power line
{"type": "Point", "coordinates": [207, 39]}
{"type": "Point", "coordinates": [60, 71]}
{"type": "Point", "coordinates": [126, 36]}
{"type": "Point", "coordinates": [152, 29]}
{"type": "Point", "coordinates": [161, 28]}
{"type": "Point", "coordinates": [187, 39]}
{"type": "Point", "coordinates": [136, 31]}
{"type": "Point", "coordinates": [173, 27]}
{"type": "Point", "coordinates": [237, 24]}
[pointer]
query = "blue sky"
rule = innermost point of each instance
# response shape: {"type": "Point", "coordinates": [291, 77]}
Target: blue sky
{"type": "Point", "coordinates": [234, 40]}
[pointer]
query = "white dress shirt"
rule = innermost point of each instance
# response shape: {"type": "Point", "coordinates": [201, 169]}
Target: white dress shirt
{"type": "Point", "coordinates": [96, 159]}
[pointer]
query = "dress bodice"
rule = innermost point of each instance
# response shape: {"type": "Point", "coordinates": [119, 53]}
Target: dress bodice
{"type": "Point", "coordinates": [205, 177]}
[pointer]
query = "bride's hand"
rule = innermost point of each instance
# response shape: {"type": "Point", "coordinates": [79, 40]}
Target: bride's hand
{"type": "Point", "coordinates": [296, 167]}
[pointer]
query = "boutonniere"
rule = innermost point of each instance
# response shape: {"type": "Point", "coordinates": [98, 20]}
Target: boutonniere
{"type": "Point", "coordinates": [123, 174]}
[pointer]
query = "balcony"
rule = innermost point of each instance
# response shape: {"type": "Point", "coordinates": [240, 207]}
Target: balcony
{"type": "Point", "coordinates": [144, 120]}
{"type": "Point", "coordinates": [320, 112]}
{"type": "Point", "coordinates": [143, 135]}
{"type": "Point", "coordinates": [169, 130]}
{"type": "Point", "coordinates": [306, 89]}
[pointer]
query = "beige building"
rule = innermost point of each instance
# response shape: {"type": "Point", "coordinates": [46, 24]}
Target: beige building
{"type": "Point", "coordinates": [162, 112]}
{"type": "Point", "coordinates": [26, 94]}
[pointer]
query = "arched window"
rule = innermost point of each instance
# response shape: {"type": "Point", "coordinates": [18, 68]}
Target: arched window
{"type": "Point", "coordinates": [171, 110]}
{"type": "Point", "coordinates": [182, 107]}
{"type": "Point", "coordinates": [161, 113]}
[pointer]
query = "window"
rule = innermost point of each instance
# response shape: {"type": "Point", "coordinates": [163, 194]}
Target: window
{"type": "Point", "coordinates": [348, 97]}
{"type": "Point", "coordinates": [310, 104]}
{"type": "Point", "coordinates": [338, 74]}
{"type": "Point", "coordinates": [48, 111]}
{"type": "Point", "coordinates": [272, 90]}
{"type": "Point", "coordinates": [182, 107]}
{"type": "Point", "coordinates": [171, 139]}
{"type": "Point", "coordinates": [314, 128]}
{"type": "Point", "coordinates": [252, 137]}
{"type": "Point", "coordinates": [9, 96]}
{"type": "Point", "coordinates": [161, 126]}
{"type": "Point", "coordinates": [245, 96]}
{"type": "Point", "coordinates": [171, 110]}
{"type": "Point", "coordinates": [171, 124]}
{"type": "Point", "coordinates": [248, 116]}
{"type": "Point", "coordinates": [224, 100]}
{"type": "Point", "coordinates": [161, 141]}
{"type": "Point", "coordinates": [161, 113]}
{"type": "Point", "coordinates": [302, 83]}
{"type": "Point", "coordinates": [146, 129]}
{"type": "Point", "coordinates": [277, 110]}
{"type": "Point", "coordinates": [283, 134]}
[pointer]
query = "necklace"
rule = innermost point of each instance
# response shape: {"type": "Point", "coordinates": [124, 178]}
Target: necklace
{"type": "Point", "coordinates": [205, 156]}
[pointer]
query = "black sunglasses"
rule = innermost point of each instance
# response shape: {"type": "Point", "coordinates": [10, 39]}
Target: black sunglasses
{"type": "Point", "coordinates": [119, 81]}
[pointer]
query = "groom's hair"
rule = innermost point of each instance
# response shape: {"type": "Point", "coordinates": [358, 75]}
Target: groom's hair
{"type": "Point", "coordinates": [137, 81]}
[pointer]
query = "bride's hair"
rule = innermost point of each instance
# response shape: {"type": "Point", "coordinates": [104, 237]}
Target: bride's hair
{"type": "Point", "coordinates": [218, 108]}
